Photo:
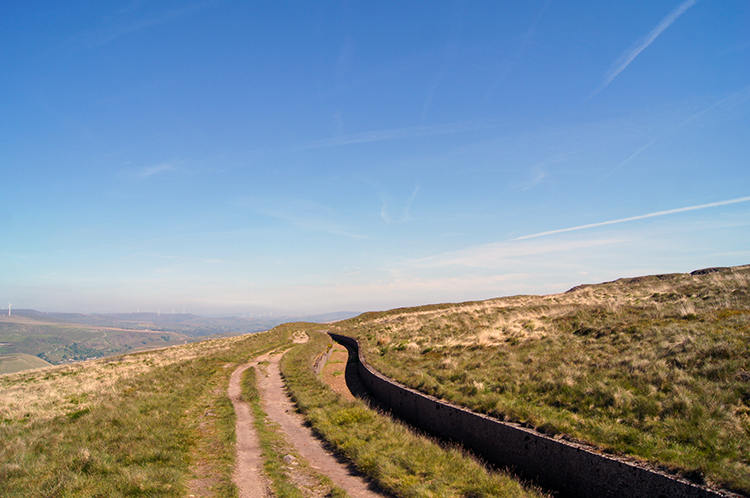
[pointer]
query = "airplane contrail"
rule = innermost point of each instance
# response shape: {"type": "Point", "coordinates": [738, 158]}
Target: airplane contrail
{"type": "Point", "coordinates": [399, 133]}
{"type": "Point", "coordinates": [634, 218]}
{"type": "Point", "coordinates": [625, 59]}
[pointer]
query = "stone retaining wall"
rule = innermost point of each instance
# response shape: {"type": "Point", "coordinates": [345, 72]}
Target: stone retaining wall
{"type": "Point", "coordinates": [322, 359]}
{"type": "Point", "coordinates": [568, 469]}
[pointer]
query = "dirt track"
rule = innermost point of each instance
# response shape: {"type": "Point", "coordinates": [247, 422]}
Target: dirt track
{"type": "Point", "coordinates": [279, 408]}
{"type": "Point", "coordinates": [248, 476]}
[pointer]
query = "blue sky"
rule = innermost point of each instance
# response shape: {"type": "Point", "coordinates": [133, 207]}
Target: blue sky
{"type": "Point", "coordinates": [308, 157]}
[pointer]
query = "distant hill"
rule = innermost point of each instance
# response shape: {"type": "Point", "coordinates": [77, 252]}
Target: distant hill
{"type": "Point", "coordinates": [183, 323]}
{"type": "Point", "coordinates": [57, 338]}
{"type": "Point", "coordinates": [16, 362]}
{"type": "Point", "coordinates": [326, 317]}
{"type": "Point", "coordinates": [56, 341]}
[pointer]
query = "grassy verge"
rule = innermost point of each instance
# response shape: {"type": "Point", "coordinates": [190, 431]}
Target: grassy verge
{"type": "Point", "coordinates": [400, 461]}
{"type": "Point", "coordinates": [276, 448]}
{"type": "Point", "coordinates": [129, 426]}
{"type": "Point", "coordinates": [655, 367]}
{"type": "Point", "coordinates": [211, 421]}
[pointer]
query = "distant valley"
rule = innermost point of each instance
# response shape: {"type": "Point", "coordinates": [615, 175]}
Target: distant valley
{"type": "Point", "coordinates": [33, 339]}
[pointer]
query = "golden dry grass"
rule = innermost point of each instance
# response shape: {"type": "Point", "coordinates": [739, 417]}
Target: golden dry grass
{"type": "Point", "coordinates": [53, 391]}
{"type": "Point", "coordinates": [656, 367]}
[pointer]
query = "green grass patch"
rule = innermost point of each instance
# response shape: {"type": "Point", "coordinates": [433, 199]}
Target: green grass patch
{"type": "Point", "coordinates": [397, 459]}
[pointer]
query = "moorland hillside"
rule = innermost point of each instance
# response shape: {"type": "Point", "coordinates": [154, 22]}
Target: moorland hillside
{"type": "Point", "coordinates": [160, 423]}
{"type": "Point", "coordinates": [654, 367]}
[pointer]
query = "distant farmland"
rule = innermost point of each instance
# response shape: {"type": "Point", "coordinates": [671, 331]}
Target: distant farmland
{"type": "Point", "coordinates": [57, 342]}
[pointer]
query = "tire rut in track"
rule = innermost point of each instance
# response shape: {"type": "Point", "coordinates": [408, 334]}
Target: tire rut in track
{"type": "Point", "coordinates": [248, 476]}
{"type": "Point", "coordinates": [280, 409]}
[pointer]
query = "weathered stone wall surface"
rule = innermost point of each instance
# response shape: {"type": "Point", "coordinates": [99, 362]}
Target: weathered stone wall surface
{"type": "Point", "coordinates": [321, 360]}
{"type": "Point", "coordinates": [568, 469]}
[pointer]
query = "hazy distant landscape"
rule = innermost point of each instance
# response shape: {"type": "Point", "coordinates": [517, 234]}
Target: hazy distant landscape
{"type": "Point", "coordinates": [31, 339]}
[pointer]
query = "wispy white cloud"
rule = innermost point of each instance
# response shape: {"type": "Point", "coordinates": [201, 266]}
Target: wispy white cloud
{"type": "Point", "coordinates": [122, 25]}
{"type": "Point", "coordinates": [735, 99]}
{"type": "Point", "coordinates": [633, 156]}
{"type": "Point", "coordinates": [538, 177]}
{"type": "Point", "coordinates": [384, 211]}
{"type": "Point", "coordinates": [628, 57]}
{"type": "Point", "coordinates": [187, 258]}
{"type": "Point", "coordinates": [451, 50]}
{"type": "Point", "coordinates": [399, 133]}
{"type": "Point", "coordinates": [385, 214]}
{"type": "Point", "coordinates": [146, 172]}
{"type": "Point", "coordinates": [525, 42]}
{"type": "Point", "coordinates": [302, 213]}
{"type": "Point", "coordinates": [500, 255]}
{"type": "Point", "coordinates": [407, 209]}
{"type": "Point", "coordinates": [640, 217]}
{"type": "Point", "coordinates": [154, 170]}
{"type": "Point", "coordinates": [367, 294]}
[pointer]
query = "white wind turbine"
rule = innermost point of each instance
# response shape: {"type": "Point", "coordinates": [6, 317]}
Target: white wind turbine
{"type": "Point", "coordinates": [9, 305]}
